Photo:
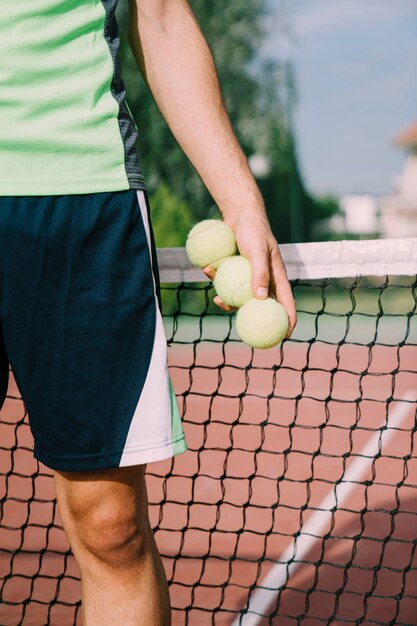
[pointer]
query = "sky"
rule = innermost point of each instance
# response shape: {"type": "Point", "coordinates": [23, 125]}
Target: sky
{"type": "Point", "coordinates": [356, 72]}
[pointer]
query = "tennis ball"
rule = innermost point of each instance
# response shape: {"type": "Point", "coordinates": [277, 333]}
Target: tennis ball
{"type": "Point", "coordinates": [262, 323]}
{"type": "Point", "coordinates": [233, 281]}
{"type": "Point", "coordinates": [210, 242]}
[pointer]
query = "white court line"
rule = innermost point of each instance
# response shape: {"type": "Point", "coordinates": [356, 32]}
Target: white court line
{"type": "Point", "coordinates": [264, 595]}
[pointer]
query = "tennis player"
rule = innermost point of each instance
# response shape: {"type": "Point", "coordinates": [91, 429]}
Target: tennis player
{"type": "Point", "coordinates": [80, 310]}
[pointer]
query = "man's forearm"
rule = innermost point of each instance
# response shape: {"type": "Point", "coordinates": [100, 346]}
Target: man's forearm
{"type": "Point", "coordinates": [176, 62]}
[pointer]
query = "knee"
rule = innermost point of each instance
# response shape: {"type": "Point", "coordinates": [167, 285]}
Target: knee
{"type": "Point", "coordinates": [115, 537]}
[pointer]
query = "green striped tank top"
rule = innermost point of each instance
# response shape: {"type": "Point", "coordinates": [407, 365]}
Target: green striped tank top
{"type": "Point", "coordinates": [65, 125]}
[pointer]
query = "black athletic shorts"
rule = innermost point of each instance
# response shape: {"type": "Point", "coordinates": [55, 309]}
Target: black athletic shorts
{"type": "Point", "coordinates": [81, 327]}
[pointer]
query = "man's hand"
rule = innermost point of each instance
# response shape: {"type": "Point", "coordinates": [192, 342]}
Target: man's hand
{"type": "Point", "coordinates": [269, 277]}
{"type": "Point", "coordinates": [176, 62]}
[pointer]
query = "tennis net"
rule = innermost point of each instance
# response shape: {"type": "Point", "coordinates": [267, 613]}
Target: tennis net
{"type": "Point", "coordinates": [296, 502]}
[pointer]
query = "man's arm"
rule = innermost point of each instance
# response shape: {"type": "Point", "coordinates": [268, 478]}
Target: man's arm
{"type": "Point", "coordinates": [176, 63]}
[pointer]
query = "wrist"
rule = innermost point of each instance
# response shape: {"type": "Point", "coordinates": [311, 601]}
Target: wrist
{"type": "Point", "coordinates": [247, 205]}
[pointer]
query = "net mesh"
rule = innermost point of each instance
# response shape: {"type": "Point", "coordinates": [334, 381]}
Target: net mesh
{"type": "Point", "coordinates": [296, 502]}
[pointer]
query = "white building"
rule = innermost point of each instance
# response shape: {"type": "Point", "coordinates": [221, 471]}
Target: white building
{"type": "Point", "coordinates": [361, 214]}
{"type": "Point", "coordinates": [358, 215]}
{"type": "Point", "coordinates": [398, 212]}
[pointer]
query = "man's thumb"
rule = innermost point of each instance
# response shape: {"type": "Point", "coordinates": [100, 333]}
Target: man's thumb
{"type": "Point", "coordinates": [260, 278]}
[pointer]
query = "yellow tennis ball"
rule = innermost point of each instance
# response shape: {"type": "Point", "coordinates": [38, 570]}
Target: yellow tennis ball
{"type": "Point", "coordinates": [262, 323]}
{"type": "Point", "coordinates": [210, 242]}
{"type": "Point", "coordinates": [233, 281]}
{"type": "Point", "coordinates": [217, 263]}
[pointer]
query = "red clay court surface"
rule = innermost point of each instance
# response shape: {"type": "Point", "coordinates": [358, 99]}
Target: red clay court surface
{"type": "Point", "coordinates": [235, 500]}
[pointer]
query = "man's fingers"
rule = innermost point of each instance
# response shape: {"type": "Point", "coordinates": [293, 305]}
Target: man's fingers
{"type": "Point", "coordinates": [217, 300]}
{"type": "Point", "coordinates": [209, 272]}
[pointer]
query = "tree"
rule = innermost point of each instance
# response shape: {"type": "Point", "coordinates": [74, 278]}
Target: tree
{"type": "Point", "coordinates": [171, 217]}
{"type": "Point", "coordinates": [255, 91]}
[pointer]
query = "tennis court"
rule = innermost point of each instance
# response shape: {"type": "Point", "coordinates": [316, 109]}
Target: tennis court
{"type": "Point", "coordinates": [296, 502]}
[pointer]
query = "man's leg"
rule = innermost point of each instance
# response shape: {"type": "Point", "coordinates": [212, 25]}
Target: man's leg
{"type": "Point", "coordinates": [105, 517]}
